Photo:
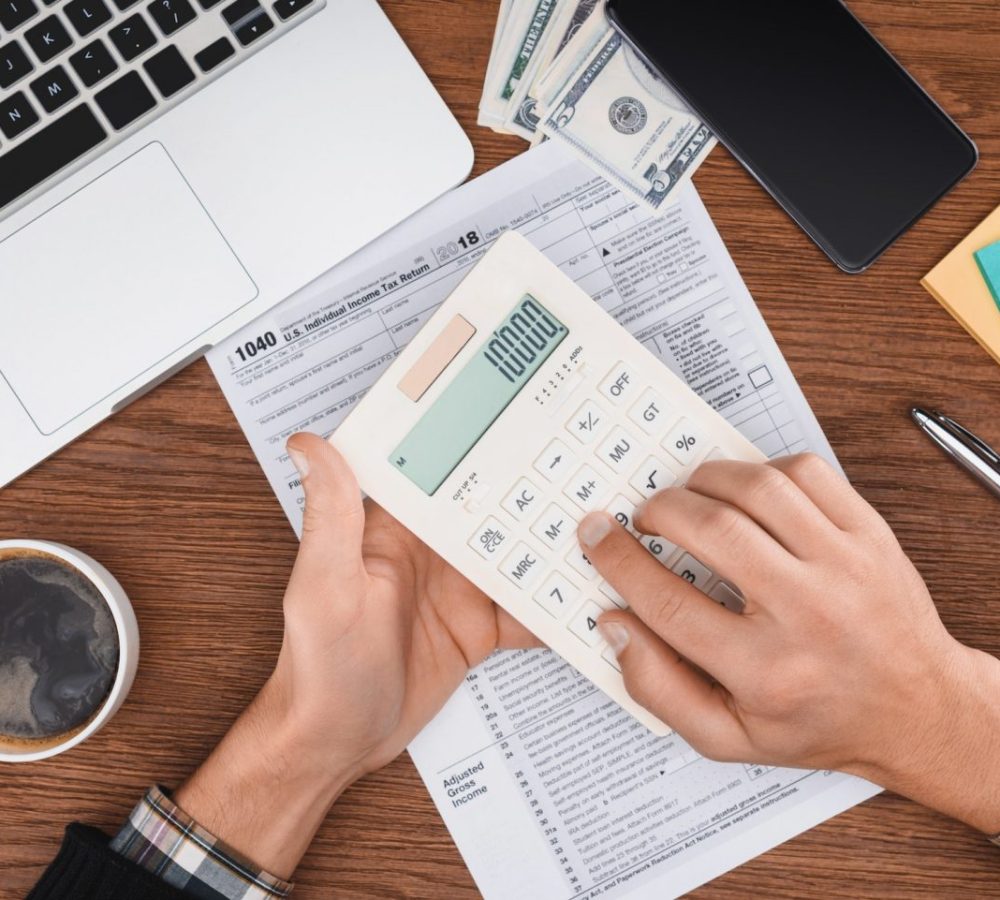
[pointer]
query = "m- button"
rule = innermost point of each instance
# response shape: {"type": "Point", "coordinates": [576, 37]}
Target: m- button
{"type": "Point", "coordinates": [620, 385]}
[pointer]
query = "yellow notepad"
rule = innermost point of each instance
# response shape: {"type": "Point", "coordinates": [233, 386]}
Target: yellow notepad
{"type": "Point", "coordinates": [958, 285]}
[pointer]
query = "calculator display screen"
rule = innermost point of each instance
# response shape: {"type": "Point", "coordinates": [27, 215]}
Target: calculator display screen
{"type": "Point", "coordinates": [479, 393]}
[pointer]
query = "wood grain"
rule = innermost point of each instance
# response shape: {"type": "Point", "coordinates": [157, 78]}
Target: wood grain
{"type": "Point", "coordinates": [168, 495]}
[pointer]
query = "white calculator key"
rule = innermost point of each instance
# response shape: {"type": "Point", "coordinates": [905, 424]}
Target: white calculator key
{"type": "Point", "coordinates": [579, 562]}
{"type": "Point", "coordinates": [557, 595]}
{"type": "Point", "coordinates": [584, 623]}
{"type": "Point", "coordinates": [693, 571]}
{"type": "Point", "coordinates": [523, 566]}
{"type": "Point", "coordinates": [609, 657]}
{"type": "Point", "coordinates": [654, 475]}
{"type": "Point", "coordinates": [715, 454]}
{"type": "Point", "coordinates": [620, 385]}
{"type": "Point", "coordinates": [555, 526]}
{"type": "Point", "coordinates": [724, 594]}
{"type": "Point", "coordinates": [555, 462]}
{"type": "Point", "coordinates": [586, 489]}
{"type": "Point", "coordinates": [651, 412]}
{"type": "Point", "coordinates": [684, 442]}
{"type": "Point", "coordinates": [587, 422]}
{"type": "Point", "coordinates": [612, 595]}
{"type": "Point", "coordinates": [491, 540]}
{"type": "Point", "coordinates": [623, 510]}
{"type": "Point", "coordinates": [522, 501]}
{"type": "Point", "coordinates": [619, 450]}
{"type": "Point", "coordinates": [660, 548]}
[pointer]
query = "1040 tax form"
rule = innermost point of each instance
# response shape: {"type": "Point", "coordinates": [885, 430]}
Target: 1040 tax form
{"type": "Point", "coordinates": [550, 789]}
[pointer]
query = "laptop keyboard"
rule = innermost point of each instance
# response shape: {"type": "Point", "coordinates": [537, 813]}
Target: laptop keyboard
{"type": "Point", "coordinates": [78, 76]}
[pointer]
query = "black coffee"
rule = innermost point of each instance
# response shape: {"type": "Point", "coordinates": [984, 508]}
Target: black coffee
{"type": "Point", "coordinates": [58, 649]}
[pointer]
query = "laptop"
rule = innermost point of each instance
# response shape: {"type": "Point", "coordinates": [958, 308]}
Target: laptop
{"type": "Point", "coordinates": [171, 169]}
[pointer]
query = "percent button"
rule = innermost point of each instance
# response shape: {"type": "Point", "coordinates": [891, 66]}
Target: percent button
{"type": "Point", "coordinates": [684, 442]}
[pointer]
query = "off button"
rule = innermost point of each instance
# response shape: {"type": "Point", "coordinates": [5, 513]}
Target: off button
{"type": "Point", "coordinates": [620, 385]}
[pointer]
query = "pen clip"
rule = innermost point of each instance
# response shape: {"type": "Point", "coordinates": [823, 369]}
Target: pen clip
{"type": "Point", "coordinates": [974, 442]}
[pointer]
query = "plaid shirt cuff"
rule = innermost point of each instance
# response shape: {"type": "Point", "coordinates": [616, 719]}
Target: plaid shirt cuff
{"type": "Point", "coordinates": [162, 838]}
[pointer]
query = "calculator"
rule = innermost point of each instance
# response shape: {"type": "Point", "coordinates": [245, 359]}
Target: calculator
{"type": "Point", "coordinates": [518, 408]}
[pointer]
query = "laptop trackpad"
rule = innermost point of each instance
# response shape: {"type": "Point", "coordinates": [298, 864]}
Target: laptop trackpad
{"type": "Point", "coordinates": [105, 286]}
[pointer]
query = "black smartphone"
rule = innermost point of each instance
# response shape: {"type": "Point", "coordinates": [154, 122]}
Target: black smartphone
{"type": "Point", "coordinates": [814, 107]}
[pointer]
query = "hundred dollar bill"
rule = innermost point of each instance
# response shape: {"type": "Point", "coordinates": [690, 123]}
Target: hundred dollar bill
{"type": "Point", "coordinates": [493, 115]}
{"type": "Point", "coordinates": [627, 123]}
{"type": "Point", "coordinates": [522, 34]}
{"type": "Point", "coordinates": [523, 117]}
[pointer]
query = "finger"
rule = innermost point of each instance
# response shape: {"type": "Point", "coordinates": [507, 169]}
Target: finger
{"type": "Point", "coordinates": [771, 499]}
{"type": "Point", "coordinates": [828, 490]}
{"type": "Point", "coordinates": [333, 523]}
{"type": "Point", "coordinates": [659, 679]}
{"type": "Point", "coordinates": [724, 538]}
{"type": "Point", "coordinates": [512, 635]}
{"type": "Point", "coordinates": [680, 614]}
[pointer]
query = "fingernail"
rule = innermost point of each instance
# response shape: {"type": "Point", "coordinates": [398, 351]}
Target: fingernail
{"type": "Point", "coordinates": [594, 529]}
{"type": "Point", "coordinates": [615, 634]}
{"type": "Point", "coordinates": [301, 461]}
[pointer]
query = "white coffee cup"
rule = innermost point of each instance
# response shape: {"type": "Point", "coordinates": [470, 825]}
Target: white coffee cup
{"type": "Point", "coordinates": [128, 645]}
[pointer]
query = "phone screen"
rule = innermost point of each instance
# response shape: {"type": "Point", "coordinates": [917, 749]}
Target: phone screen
{"type": "Point", "coordinates": [814, 106]}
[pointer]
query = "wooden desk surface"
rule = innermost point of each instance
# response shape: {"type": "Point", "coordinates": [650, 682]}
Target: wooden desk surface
{"type": "Point", "coordinates": [168, 495]}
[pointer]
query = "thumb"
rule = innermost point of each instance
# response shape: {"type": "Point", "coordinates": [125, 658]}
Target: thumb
{"type": "Point", "coordinates": [333, 524]}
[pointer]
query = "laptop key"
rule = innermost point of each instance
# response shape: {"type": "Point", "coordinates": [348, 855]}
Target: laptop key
{"type": "Point", "coordinates": [92, 63]}
{"type": "Point", "coordinates": [54, 89]}
{"type": "Point", "coordinates": [124, 100]}
{"type": "Point", "coordinates": [48, 38]}
{"type": "Point", "coordinates": [16, 12]}
{"type": "Point", "coordinates": [14, 64]}
{"type": "Point", "coordinates": [168, 71]}
{"type": "Point", "coordinates": [208, 4]}
{"type": "Point", "coordinates": [247, 20]}
{"type": "Point", "coordinates": [214, 54]}
{"type": "Point", "coordinates": [255, 28]}
{"type": "Point", "coordinates": [171, 15]}
{"type": "Point", "coordinates": [132, 37]}
{"type": "Point", "coordinates": [86, 15]}
{"type": "Point", "coordinates": [47, 151]}
{"type": "Point", "coordinates": [285, 9]}
{"type": "Point", "coordinates": [125, 4]}
{"type": "Point", "coordinates": [16, 115]}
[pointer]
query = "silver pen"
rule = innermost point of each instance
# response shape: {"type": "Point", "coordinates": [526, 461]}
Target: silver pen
{"type": "Point", "coordinates": [972, 454]}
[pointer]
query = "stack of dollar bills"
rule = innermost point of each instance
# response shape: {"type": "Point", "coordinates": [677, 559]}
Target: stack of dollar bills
{"type": "Point", "coordinates": [559, 70]}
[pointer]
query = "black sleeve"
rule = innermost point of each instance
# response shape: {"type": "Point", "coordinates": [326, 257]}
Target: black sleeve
{"type": "Point", "coordinates": [86, 868]}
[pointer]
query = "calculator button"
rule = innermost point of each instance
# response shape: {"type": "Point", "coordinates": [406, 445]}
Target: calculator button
{"type": "Point", "coordinates": [557, 595]}
{"type": "Point", "coordinates": [724, 594]}
{"type": "Point", "coordinates": [651, 412]}
{"type": "Point", "coordinates": [684, 442]}
{"type": "Point", "coordinates": [579, 562]}
{"type": "Point", "coordinates": [714, 455]}
{"type": "Point", "coordinates": [609, 657]}
{"type": "Point", "coordinates": [586, 489]}
{"type": "Point", "coordinates": [623, 510]}
{"type": "Point", "coordinates": [659, 548]}
{"type": "Point", "coordinates": [653, 476]}
{"type": "Point", "coordinates": [522, 500]}
{"type": "Point", "coordinates": [491, 540]}
{"type": "Point", "coordinates": [584, 623]}
{"type": "Point", "coordinates": [555, 527]}
{"type": "Point", "coordinates": [555, 462]}
{"type": "Point", "coordinates": [620, 385]}
{"type": "Point", "coordinates": [587, 422]}
{"type": "Point", "coordinates": [692, 571]}
{"type": "Point", "coordinates": [612, 595]}
{"type": "Point", "coordinates": [619, 450]}
{"type": "Point", "coordinates": [523, 566]}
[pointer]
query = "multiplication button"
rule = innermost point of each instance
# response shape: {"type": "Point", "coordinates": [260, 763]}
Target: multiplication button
{"type": "Point", "coordinates": [587, 422]}
{"type": "Point", "coordinates": [654, 475]}
{"type": "Point", "coordinates": [620, 385]}
{"type": "Point", "coordinates": [684, 442]}
{"type": "Point", "coordinates": [490, 540]}
{"type": "Point", "coordinates": [651, 413]}
{"type": "Point", "coordinates": [619, 450]}
{"type": "Point", "coordinates": [555, 526]}
{"type": "Point", "coordinates": [586, 489]}
{"type": "Point", "coordinates": [557, 595]}
{"type": "Point", "coordinates": [521, 501]}
{"type": "Point", "coordinates": [523, 566]}
{"type": "Point", "coordinates": [584, 623]}
{"type": "Point", "coordinates": [555, 462]}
